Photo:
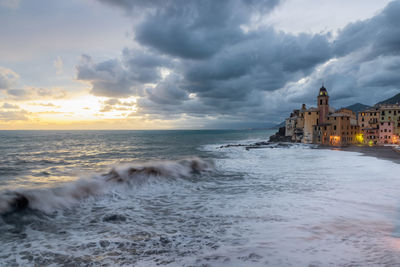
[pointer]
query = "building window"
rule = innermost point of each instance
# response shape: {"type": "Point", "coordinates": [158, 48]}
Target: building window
{"type": "Point", "coordinates": [335, 118]}
{"type": "Point", "coordinates": [309, 113]}
{"type": "Point", "coordinates": [334, 127]}
{"type": "Point", "coordinates": [362, 119]}
{"type": "Point", "coordinates": [326, 102]}
{"type": "Point", "coordinates": [320, 101]}
{"type": "Point", "coordinates": [362, 125]}
{"type": "Point", "coordinates": [383, 113]}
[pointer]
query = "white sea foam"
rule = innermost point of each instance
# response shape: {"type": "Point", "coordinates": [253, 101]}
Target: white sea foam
{"type": "Point", "coordinates": [50, 199]}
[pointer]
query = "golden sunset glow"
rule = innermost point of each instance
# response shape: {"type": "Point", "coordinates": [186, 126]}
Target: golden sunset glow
{"type": "Point", "coordinates": [81, 112]}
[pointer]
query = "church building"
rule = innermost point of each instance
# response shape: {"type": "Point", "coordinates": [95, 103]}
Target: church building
{"type": "Point", "coordinates": [324, 125]}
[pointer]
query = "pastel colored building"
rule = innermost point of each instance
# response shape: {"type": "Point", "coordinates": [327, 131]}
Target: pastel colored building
{"type": "Point", "coordinates": [368, 120]}
{"type": "Point", "coordinates": [386, 130]}
{"type": "Point", "coordinates": [378, 125]}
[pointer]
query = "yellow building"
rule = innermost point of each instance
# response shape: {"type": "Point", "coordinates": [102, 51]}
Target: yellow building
{"type": "Point", "coordinates": [311, 117]}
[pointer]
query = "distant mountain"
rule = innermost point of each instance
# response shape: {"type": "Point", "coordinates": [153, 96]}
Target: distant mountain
{"type": "Point", "coordinates": [282, 124]}
{"type": "Point", "coordinates": [357, 107]}
{"type": "Point", "coordinates": [390, 101]}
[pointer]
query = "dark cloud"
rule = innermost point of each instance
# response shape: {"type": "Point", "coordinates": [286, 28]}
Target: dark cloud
{"type": "Point", "coordinates": [116, 104]}
{"type": "Point", "coordinates": [121, 78]}
{"type": "Point", "coordinates": [167, 92]}
{"type": "Point", "coordinates": [190, 28]}
{"type": "Point", "coordinates": [366, 63]}
{"type": "Point", "coordinates": [220, 72]}
{"type": "Point", "coordinates": [380, 34]}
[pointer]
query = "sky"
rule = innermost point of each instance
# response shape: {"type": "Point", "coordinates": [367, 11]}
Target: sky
{"type": "Point", "coordinates": [190, 64]}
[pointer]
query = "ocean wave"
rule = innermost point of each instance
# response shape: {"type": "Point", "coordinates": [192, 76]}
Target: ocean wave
{"type": "Point", "coordinates": [50, 199]}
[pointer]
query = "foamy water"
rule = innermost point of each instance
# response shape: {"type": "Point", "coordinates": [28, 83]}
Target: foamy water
{"type": "Point", "coordinates": [282, 206]}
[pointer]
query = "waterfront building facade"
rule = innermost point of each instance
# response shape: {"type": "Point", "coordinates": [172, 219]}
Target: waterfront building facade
{"type": "Point", "coordinates": [368, 120]}
{"type": "Point", "coordinates": [324, 125]}
{"type": "Point", "coordinates": [378, 125]}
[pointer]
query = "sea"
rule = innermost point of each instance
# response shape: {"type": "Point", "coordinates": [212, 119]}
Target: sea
{"type": "Point", "coordinates": [192, 198]}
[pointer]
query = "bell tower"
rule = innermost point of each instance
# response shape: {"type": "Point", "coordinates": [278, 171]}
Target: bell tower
{"type": "Point", "coordinates": [323, 104]}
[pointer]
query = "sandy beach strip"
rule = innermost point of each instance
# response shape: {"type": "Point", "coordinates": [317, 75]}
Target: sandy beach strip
{"type": "Point", "coordinates": [382, 152]}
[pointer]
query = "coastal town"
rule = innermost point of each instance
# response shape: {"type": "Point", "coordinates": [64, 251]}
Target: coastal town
{"type": "Point", "coordinates": [377, 125]}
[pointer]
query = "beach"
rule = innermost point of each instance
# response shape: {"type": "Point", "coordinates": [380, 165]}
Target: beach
{"type": "Point", "coordinates": [381, 152]}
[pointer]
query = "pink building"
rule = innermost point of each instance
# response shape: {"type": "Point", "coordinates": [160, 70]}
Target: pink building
{"type": "Point", "coordinates": [386, 133]}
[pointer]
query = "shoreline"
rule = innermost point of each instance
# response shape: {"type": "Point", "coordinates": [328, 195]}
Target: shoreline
{"type": "Point", "coordinates": [381, 152]}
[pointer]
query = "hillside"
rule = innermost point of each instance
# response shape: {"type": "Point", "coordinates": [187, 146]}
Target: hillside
{"type": "Point", "coordinates": [357, 107]}
{"type": "Point", "coordinates": [390, 101]}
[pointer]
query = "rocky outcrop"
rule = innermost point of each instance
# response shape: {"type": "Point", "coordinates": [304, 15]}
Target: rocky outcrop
{"type": "Point", "coordinates": [280, 136]}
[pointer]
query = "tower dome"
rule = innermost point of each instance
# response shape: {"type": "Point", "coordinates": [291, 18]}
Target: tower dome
{"type": "Point", "coordinates": [323, 91]}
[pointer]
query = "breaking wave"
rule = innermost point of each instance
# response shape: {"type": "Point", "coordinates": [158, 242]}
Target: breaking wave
{"type": "Point", "coordinates": [50, 199]}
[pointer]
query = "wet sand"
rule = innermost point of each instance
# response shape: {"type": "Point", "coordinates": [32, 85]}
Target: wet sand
{"type": "Point", "coordinates": [382, 152]}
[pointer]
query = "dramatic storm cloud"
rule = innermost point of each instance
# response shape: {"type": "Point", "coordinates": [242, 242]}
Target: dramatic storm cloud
{"type": "Point", "coordinates": [215, 67]}
{"type": "Point", "coordinates": [366, 62]}
{"type": "Point", "coordinates": [219, 65]}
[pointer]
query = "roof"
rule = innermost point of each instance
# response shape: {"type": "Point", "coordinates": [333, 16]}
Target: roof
{"type": "Point", "coordinates": [388, 107]}
{"type": "Point", "coordinates": [339, 115]}
{"type": "Point", "coordinates": [312, 109]}
{"type": "Point", "coordinates": [369, 110]}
